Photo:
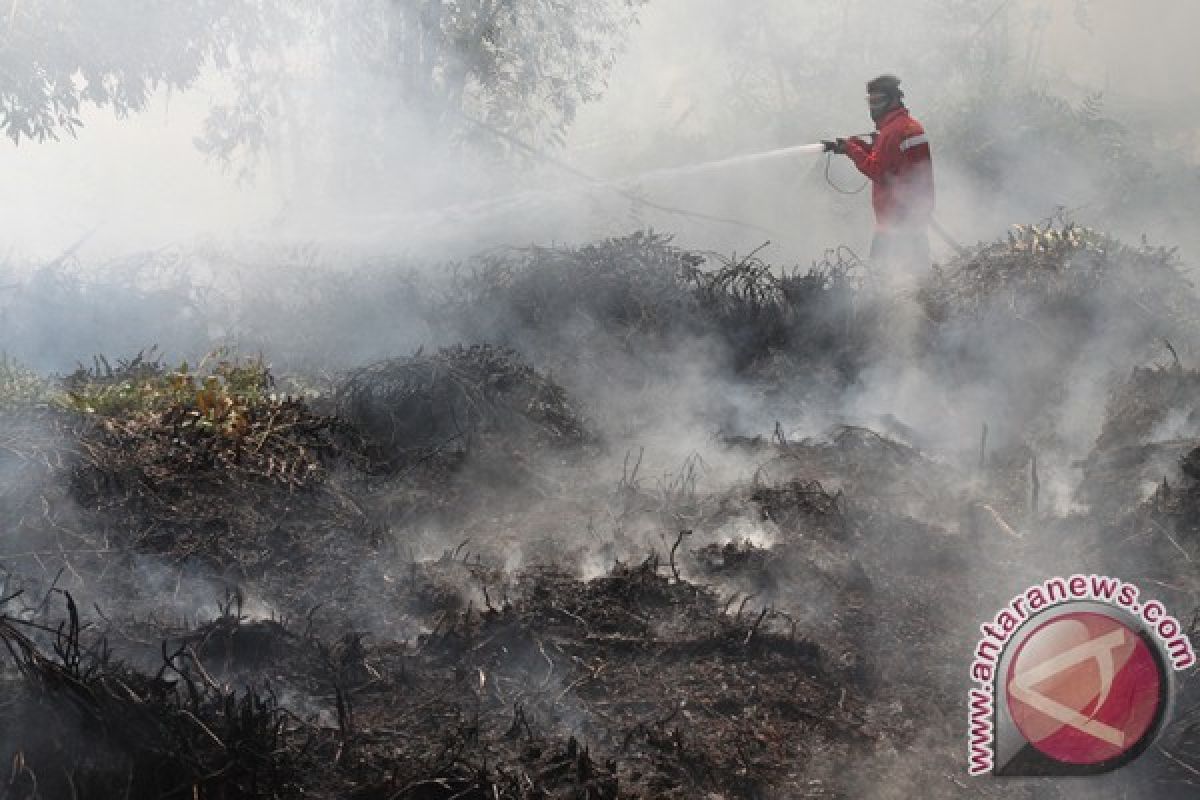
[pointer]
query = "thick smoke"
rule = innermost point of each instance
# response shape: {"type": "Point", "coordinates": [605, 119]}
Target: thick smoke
{"type": "Point", "coordinates": [371, 226]}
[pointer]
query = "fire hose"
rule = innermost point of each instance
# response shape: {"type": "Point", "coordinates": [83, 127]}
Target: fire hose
{"type": "Point", "coordinates": [827, 147]}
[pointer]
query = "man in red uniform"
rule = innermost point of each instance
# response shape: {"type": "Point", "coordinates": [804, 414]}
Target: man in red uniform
{"type": "Point", "coordinates": [897, 160]}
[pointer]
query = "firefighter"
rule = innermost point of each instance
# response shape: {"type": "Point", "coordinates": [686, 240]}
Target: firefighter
{"type": "Point", "coordinates": [896, 158]}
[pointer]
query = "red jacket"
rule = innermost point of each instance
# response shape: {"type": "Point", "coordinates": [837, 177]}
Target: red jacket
{"type": "Point", "coordinates": [900, 167]}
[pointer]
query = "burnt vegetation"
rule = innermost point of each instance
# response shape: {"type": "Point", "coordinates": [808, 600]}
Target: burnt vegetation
{"type": "Point", "coordinates": [219, 581]}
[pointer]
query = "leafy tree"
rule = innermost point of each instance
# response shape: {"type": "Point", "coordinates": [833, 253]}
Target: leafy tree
{"type": "Point", "coordinates": [58, 55]}
{"type": "Point", "coordinates": [522, 67]}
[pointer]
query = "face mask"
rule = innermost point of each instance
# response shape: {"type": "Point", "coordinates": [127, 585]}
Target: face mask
{"type": "Point", "coordinates": [879, 105]}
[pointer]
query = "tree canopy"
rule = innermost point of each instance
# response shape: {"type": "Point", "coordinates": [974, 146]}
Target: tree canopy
{"type": "Point", "coordinates": [519, 66]}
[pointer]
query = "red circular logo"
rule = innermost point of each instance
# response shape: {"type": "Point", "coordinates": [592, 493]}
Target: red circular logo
{"type": "Point", "coordinates": [1084, 688]}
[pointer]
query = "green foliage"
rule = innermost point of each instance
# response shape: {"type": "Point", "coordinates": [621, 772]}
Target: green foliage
{"type": "Point", "coordinates": [59, 55]}
{"type": "Point", "coordinates": [523, 67]}
{"type": "Point", "coordinates": [20, 387]}
{"type": "Point", "coordinates": [520, 66]}
{"type": "Point", "coordinates": [216, 395]}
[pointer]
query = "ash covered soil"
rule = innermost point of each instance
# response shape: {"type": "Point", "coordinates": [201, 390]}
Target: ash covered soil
{"type": "Point", "coordinates": [561, 560]}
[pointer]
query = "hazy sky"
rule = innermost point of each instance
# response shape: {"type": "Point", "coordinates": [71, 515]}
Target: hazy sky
{"type": "Point", "coordinates": [140, 183]}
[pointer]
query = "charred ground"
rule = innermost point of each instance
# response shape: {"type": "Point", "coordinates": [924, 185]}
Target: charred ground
{"type": "Point", "coordinates": [456, 574]}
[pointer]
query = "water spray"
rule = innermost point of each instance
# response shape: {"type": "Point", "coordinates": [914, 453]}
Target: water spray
{"type": "Point", "coordinates": [626, 187]}
{"type": "Point", "coordinates": [623, 186]}
{"type": "Point", "coordinates": [733, 161]}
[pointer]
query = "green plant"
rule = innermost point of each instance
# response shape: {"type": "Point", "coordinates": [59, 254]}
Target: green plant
{"type": "Point", "coordinates": [20, 387]}
{"type": "Point", "coordinates": [217, 395]}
